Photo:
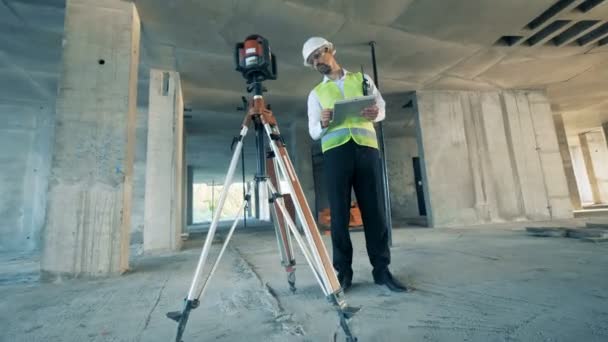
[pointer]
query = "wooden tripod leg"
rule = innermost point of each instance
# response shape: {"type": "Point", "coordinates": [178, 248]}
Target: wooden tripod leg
{"type": "Point", "coordinates": [304, 213]}
{"type": "Point", "coordinates": [283, 237]}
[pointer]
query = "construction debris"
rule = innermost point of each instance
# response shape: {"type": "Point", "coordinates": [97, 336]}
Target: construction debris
{"type": "Point", "coordinates": [589, 234]}
{"type": "Point", "coordinates": [593, 232]}
{"type": "Point", "coordinates": [547, 231]}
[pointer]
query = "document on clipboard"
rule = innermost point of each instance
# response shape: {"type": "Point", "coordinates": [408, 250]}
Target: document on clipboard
{"type": "Point", "coordinates": [351, 107]}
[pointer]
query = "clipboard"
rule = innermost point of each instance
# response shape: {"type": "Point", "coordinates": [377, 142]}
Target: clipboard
{"type": "Point", "coordinates": [351, 107]}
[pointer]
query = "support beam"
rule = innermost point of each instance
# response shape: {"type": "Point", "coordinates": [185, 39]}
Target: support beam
{"type": "Point", "coordinates": [89, 201]}
{"type": "Point", "coordinates": [164, 209]}
{"type": "Point", "coordinates": [190, 195]}
{"type": "Point", "coordinates": [595, 190]}
{"type": "Point", "coordinates": [564, 150]}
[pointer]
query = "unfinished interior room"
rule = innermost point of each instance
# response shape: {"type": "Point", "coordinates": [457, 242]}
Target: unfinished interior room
{"type": "Point", "coordinates": [303, 170]}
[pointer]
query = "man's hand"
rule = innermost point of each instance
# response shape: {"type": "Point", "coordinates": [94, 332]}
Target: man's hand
{"type": "Point", "coordinates": [325, 117]}
{"type": "Point", "coordinates": [370, 113]}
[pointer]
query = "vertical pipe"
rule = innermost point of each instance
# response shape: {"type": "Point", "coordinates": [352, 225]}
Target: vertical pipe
{"type": "Point", "coordinates": [384, 174]}
{"type": "Point", "coordinates": [261, 166]}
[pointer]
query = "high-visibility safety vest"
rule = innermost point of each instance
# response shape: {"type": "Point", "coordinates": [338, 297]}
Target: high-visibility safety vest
{"type": "Point", "coordinates": [360, 129]}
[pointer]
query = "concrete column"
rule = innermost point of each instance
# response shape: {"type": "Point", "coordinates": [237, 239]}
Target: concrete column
{"type": "Point", "coordinates": [564, 149]}
{"type": "Point", "coordinates": [88, 210]}
{"type": "Point", "coordinates": [190, 194]}
{"type": "Point", "coordinates": [27, 128]}
{"type": "Point", "coordinates": [595, 190]}
{"type": "Point", "coordinates": [163, 214]}
{"type": "Point", "coordinates": [605, 131]}
{"type": "Point", "coordinates": [596, 158]}
{"type": "Point", "coordinates": [580, 171]}
{"type": "Point", "coordinates": [184, 179]}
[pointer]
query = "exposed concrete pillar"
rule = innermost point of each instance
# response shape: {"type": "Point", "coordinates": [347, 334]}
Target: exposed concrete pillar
{"type": "Point", "coordinates": [163, 215]}
{"type": "Point", "coordinates": [564, 150]}
{"type": "Point", "coordinates": [184, 179]}
{"type": "Point", "coordinates": [88, 211]}
{"type": "Point", "coordinates": [580, 171]}
{"type": "Point", "coordinates": [190, 194]}
{"type": "Point", "coordinates": [605, 130]}
{"type": "Point", "coordinates": [595, 190]}
{"type": "Point", "coordinates": [596, 159]}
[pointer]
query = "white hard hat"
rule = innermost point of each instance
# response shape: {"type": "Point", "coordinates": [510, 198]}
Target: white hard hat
{"type": "Point", "coordinates": [312, 44]}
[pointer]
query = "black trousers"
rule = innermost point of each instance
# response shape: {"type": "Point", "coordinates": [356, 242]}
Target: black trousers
{"type": "Point", "coordinates": [358, 167]}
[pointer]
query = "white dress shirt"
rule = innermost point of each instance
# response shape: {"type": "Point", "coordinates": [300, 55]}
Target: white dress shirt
{"type": "Point", "coordinates": [315, 109]}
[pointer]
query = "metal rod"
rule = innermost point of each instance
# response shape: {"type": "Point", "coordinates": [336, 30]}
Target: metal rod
{"type": "Point", "coordinates": [384, 172]}
{"type": "Point", "coordinates": [216, 218]}
{"type": "Point", "coordinates": [244, 191]}
{"type": "Point", "coordinates": [212, 198]}
{"type": "Point", "coordinates": [261, 166]}
{"type": "Point", "coordinates": [219, 256]}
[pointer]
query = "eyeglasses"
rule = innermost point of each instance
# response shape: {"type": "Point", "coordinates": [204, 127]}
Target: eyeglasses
{"type": "Point", "coordinates": [318, 54]}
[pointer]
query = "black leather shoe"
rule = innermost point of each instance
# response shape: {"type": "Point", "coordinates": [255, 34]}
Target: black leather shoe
{"type": "Point", "coordinates": [386, 278]}
{"type": "Point", "coordinates": [345, 279]}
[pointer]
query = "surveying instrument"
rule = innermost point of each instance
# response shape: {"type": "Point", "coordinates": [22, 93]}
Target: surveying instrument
{"type": "Point", "coordinates": [256, 62]}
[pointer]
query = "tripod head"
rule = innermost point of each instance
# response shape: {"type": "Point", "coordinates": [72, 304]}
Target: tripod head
{"type": "Point", "coordinates": [255, 62]}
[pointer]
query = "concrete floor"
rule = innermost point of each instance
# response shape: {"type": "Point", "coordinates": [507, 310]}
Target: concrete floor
{"type": "Point", "coordinates": [471, 284]}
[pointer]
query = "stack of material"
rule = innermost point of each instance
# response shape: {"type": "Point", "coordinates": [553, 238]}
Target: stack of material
{"type": "Point", "coordinates": [593, 232]}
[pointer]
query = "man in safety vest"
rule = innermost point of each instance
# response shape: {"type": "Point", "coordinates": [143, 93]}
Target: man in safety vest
{"type": "Point", "coordinates": [350, 160]}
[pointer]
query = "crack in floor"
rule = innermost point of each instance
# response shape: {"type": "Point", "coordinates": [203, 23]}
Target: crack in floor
{"type": "Point", "coordinates": [281, 316]}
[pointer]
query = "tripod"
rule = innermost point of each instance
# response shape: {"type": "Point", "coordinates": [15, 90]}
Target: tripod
{"type": "Point", "coordinates": [312, 246]}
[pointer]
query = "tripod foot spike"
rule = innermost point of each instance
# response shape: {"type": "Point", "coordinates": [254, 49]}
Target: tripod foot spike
{"type": "Point", "coordinates": [346, 328]}
{"type": "Point", "coordinates": [291, 279]}
{"type": "Point", "coordinates": [345, 313]}
{"type": "Point", "coordinates": [182, 318]}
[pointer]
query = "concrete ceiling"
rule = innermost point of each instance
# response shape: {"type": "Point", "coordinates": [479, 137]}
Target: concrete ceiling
{"type": "Point", "coordinates": [421, 44]}
{"type": "Point", "coordinates": [441, 44]}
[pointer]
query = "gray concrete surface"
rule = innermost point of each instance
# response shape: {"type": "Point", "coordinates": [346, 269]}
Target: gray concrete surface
{"type": "Point", "coordinates": [564, 150]}
{"type": "Point", "coordinates": [598, 161]}
{"type": "Point", "coordinates": [469, 284]}
{"type": "Point", "coordinates": [25, 158]}
{"type": "Point", "coordinates": [580, 170]}
{"type": "Point", "coordinates": [490, 157]}
{"type": "Point", "coordinates": [88, 215]}
{"type": "Point", "coordinates": [165, 164]}
{"type": "Point", "coordinates": [400, 152]}
{"type": "Point", "coordinates": [588, 154]}
{"type": "Point", "coordinates": [139, 177]}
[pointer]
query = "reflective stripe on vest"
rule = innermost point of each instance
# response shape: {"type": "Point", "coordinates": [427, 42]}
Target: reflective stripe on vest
{"type": "Point", "coordinates": [360, 129]}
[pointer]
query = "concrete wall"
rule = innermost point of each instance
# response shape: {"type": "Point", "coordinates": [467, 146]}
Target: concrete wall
{"type": "Point", "coordinates": [25, 148]}
{"type": "Point", "coordinates": [580, 172]}
{"type": "Point", "coordinates": [490, 157]}
{"type": "Point", "coordinates": [399, 154]}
